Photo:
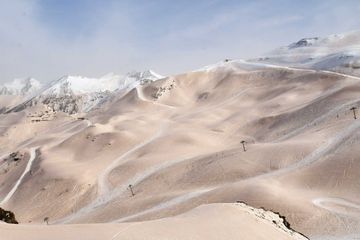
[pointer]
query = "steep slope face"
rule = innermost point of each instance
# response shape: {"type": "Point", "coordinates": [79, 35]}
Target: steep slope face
{"type": "Point", "coordinates": [76, 94]}
{"type": "Point", "coordinates": [340, 52]}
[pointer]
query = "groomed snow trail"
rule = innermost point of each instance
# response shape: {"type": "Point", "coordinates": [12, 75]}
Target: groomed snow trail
{"type": "Point", "coordinates": [170, 203]}
{"type": "Point", "coordinates": [19, 181]}
{"type": "Point", "coordinates": [309, 159]}
{"type": "Point", "coordinates": [103, 184]}
{"type": "Point", "coordinates": [319, 120]}
{"type": "Point", "coordinates": [33, 156]}
{"type": "Point", "coordinates": [321, 203]}
{"type": "Point", "coordinates": [314, 156]}
{"type": "Point", "coordinates": [105, 195]}
{"type": "Point", "coordinates": [296, 69]}
{"type": "Point", "coordinates": [268, 65]}
{"type": "Point", "coordinates": [322, 151]}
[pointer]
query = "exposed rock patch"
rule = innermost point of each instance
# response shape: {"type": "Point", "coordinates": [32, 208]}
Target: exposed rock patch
{"type": "Point", "coordinates": [7, 216]}
{"type": "Point", "coordinates": [273, 218]}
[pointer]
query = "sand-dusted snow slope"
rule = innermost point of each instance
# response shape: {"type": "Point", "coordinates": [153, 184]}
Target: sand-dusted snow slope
{"type": "Point", "coordinates": [214, 221]}
{"type": "Point", "coordinates": [178, 143]}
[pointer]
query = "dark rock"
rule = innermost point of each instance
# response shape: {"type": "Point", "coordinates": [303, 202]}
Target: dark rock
{"type": "Point", "coordinates": [7, 216]}
{"type": "Point", "coordinates": [305, 42]}
{"type": "Point", "coordinates": [15, 156]}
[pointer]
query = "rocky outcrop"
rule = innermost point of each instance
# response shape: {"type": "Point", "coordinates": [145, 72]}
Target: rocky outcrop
{"type": "Point", "coordinates": [305, 42]}
{"type": "Point", "coordinates": [7, 216]}
{"type": "Point", "coordinates": [273, 218]}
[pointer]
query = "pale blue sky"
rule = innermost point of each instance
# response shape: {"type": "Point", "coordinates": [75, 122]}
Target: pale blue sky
{"type": "Point", "coordinates": [49, 38]}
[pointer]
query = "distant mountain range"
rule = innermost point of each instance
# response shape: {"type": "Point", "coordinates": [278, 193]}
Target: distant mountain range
{"type": "Point", "coordinates": [72, 94]}
{"type": "Point", "coordinates": [278, 132]}
{"type": "Point", "coordinates": [338, 52]}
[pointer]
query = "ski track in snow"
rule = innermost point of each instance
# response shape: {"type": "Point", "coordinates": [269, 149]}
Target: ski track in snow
{"type": "Point", "coordinates": [229, 100]}
{"type": "Point", "coordinates": [138, 178]}
{"type": "Point", "coordinates": [172, 202]}
{"type": "Point", "coordinates": [321, 203]}
{"type": "Point", "coordinates": [32, 158]}
{"type": "Point", "coordinates": [106, 196]}
{"type": "Point", "coordinates": [311, 158]}
{"type": "Point", "coordinates": [318, 153]}
{"type": "Point", "coordinates": [19, 181]}
{"type": "Point", "coordinates": [318, 120]}
{"type": "Point", "coordinates": [103, 184]}
{"type": "Point", "coordinates": [229, 65]}
{"type": "Point", "coordinates": [296, 69]}
{"type": "Point", "coordinates": [315, 155]}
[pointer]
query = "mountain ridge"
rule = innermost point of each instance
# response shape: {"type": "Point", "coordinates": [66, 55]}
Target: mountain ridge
{"type": "Point", "coordinates": [74, 94]}
{"type": "Point", "coordinates": [337, 52]}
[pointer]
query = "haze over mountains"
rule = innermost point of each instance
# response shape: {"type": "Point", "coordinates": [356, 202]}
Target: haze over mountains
{"type": "Point", "coordinates": [149, 156]}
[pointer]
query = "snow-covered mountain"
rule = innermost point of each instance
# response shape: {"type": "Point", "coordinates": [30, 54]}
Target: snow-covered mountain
{"type": "Point", "coordinates": [21, 86]}
{"type": "Point", "coordinates": [73, 94]}
{"type": "Point", "coordinates": [143, 77]}
{"type": "Point", "coordinates": [78, 85]}
{"type": "Point", "coordinates": [339, 52]}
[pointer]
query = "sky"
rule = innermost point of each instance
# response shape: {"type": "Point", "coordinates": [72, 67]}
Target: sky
{"type": "Point", "coordinates": [47, 39]}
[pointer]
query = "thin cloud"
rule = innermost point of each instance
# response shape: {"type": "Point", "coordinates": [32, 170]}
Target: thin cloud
{"type": "Point", "coordinates": [45, 40]}
{"type": "Point", "coordinates": [278, 21]}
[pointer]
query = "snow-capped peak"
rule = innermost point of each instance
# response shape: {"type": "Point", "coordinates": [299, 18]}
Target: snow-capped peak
{"type": "Point", "coordinates": [150, 74]}
{"type": "Point", "coordinates": [21, 86]}
{"type": "Point", "coordinates": [337, 52]}
{"type": "Point", "coordinates": [73, 94]}
{"type": "Point", "coordinates": [143, 77]}
{"type": "Point", "coordinates": [78, 85]}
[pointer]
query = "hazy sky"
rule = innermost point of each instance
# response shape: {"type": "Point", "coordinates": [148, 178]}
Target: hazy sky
{"type": "Point", "coordinates": [50, 38]}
